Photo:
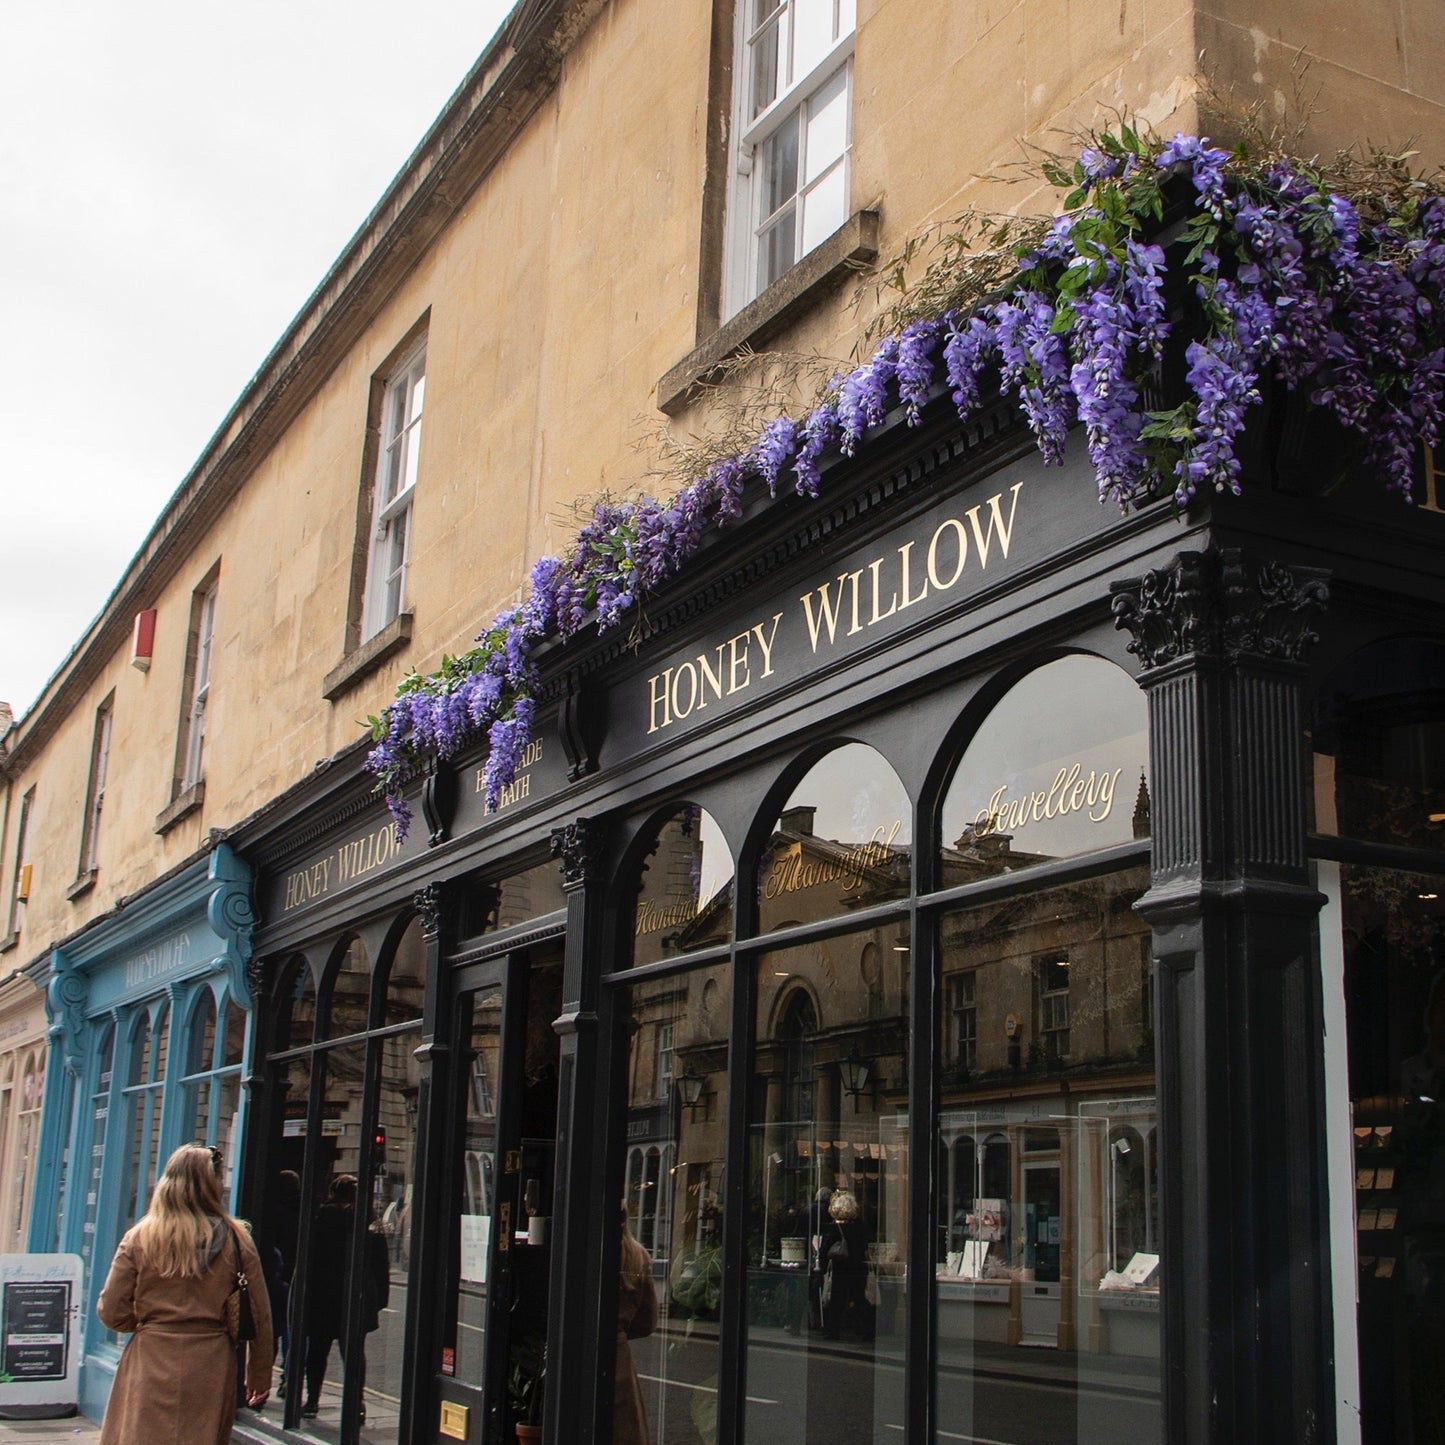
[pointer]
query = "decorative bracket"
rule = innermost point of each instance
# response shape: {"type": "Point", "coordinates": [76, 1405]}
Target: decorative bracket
{"type": "Point", "coordinates": [439, 801]}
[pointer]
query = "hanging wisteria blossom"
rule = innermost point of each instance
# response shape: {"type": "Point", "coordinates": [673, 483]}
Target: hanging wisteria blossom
{"type": "Point", "coordinates": [1333, 292]}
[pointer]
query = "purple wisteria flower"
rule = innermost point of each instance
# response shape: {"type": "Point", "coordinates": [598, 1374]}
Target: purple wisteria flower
{"type": "Point", "coordinates": [1289, 278]}
{"type": "Point", "coordinates": [863, 396]}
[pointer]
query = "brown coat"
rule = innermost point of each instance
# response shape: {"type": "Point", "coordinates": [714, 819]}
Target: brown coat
{"type": "Point", "coordinates": [176, 1383]}
{"type": "Point", "coordinates": [636, 1317]}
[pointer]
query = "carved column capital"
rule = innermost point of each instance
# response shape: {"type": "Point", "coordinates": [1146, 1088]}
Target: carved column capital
{"type": "Point", "coordinates": [580, 846]}
{"type": "Point", "coordinates": [1218, 603]}
{"type": "Point", "coordinates": [256, 977]}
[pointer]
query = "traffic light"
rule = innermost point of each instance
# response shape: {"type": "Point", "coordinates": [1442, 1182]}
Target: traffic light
{"type": "Point", "coordinates": [378, 1139]}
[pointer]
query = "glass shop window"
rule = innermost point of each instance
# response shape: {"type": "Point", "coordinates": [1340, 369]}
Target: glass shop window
{"type": "Point", "coordinates": [212, 1084]}
{"type": "Point", "coordinates": [1048, 1232]}
{"type": "Point", "coordinates": [142, 1106]}
{"type": "Point", "coordinates": [1379, 740]}
{"type": "Point", "coordinates": [1046, 1256]}
{"type": "Point", "coordinates": [673, 1191]}
{"type": "Point", "coordinates": [827, 1169]}
{"type": "Point", "coordinates": [685, 902]}
{"type": "Point", "coordinates": [348, 1130]}
{"type": "Point", "coordinates": [842, 841]}
{"type": "Point", "coordinates": [533, 893]}
{"type": "Point", "coordinates": [296, 1026]}
{"type": "Point", "coordinates": [96, 1124]}
{"type": "Point", "coordinates": [1056, 770]}
{"type": "Point", "coordinates": [1379, 747]}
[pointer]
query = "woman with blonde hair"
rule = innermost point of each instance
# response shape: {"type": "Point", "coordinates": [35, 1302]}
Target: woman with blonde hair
{"type": "Point", "coordinates": [168, 1286]}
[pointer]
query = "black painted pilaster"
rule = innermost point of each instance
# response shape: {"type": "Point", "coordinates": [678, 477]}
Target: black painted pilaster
{"type": "Point", "coordinates": [431, 1222]}
{"type": "Point", "coordinates": [577, 1368]}
{"type": "Point", "coordinates": [1245, 1270]}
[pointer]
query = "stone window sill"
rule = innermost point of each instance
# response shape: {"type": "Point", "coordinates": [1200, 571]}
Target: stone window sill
{"type": "Point", "coordinates": [368, 657]}
{"type": "Point", "coordinates": [83, 884]}
{"type": "Point", "coordinates": [9, 942]}
{"type": "Point", "coordinates": [853, 244]}
{"type": "Point", "coordinates": [183, 807]}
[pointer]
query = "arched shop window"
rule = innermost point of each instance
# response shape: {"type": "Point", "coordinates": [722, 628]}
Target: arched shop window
{"type": "Point", "coordinates": [685, 893]}
{"type": "Point", "coordinates": [96, 1115]}
{"type": "Point", "coordinates": [346, 1132]}
{"type": "Point", "coordinates": [212, 1083]}
{"type": "Point", "coordinates": [20, 1103]}
{"type": "Point", "coordinates": [1043, 1231]}
{"type": "Point", "coordinates": [141, 1102]}
{"type": "Point", "coordinates": [1378, 730]}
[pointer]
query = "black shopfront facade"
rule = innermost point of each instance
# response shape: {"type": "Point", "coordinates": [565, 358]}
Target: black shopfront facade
{"type": "Point", "coordinates": [983, 948]}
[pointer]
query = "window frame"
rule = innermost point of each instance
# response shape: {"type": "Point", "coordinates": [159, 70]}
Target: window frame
{"type": "Point", "coordinates": [963, 1045]}
{"type": "Point", "coordinates": [1052, 1003]}
{"type": "Point", "coordinates": [22, 862]}
{"type": "Point", "coordinates": [397, 459]}
{"type": "Point", "coordinates": [794, 95]}
{"type": "Point", "coordinates": [200, 647]}
{"type": "Point", "coordinates": [89, 864]}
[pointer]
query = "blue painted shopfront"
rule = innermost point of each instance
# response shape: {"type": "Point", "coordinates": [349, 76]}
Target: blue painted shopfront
{"type": "Point", "coordinates": [150, 1020]}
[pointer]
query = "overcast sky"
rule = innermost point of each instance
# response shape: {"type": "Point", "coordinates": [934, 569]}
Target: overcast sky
{"type": "Point", "coordinates": [176, 176]}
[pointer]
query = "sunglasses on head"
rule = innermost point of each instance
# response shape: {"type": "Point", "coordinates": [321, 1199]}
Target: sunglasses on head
{"type": "Point", "coordinates": [216, 1156]}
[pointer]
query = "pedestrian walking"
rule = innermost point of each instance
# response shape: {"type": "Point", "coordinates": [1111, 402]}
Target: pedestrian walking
{"type": "Point", "coordinates": [167, 1288]}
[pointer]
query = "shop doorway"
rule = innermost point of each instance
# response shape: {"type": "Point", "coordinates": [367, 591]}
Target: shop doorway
{"type": "Point", "coordinates": [501, 1159]}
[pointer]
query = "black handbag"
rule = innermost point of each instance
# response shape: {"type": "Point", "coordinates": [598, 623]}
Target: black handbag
{"type": "Point", "coordinates": [240, 1322]}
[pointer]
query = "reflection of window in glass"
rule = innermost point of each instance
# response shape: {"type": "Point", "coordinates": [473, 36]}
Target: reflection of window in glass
{"type": "Point", "coordinates": [1053, 975]}
{"type": "Point", "coordinates": [963, 1004]}
{"type": "Point", "coordinates": [664, 1059]}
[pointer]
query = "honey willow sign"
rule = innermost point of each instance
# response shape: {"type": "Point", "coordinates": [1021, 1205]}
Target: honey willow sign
{"type": "Point", "coordinates": [952, 554]}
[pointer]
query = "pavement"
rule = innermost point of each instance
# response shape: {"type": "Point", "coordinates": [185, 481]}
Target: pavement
{"type": "Point", "coordinates": [48, 1432]}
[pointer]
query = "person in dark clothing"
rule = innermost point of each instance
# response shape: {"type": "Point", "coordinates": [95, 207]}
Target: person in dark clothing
{"type": "Point", "coordinates": [819, 1228]}
{"type": "Point", "coordinates": [279, 1260]}
{"type": "Point", "coordinates": [328, 1287]}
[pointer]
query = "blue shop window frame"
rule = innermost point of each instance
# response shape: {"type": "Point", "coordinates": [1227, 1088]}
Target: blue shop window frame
{"type": "Point", "coordinates": [167, 1098]}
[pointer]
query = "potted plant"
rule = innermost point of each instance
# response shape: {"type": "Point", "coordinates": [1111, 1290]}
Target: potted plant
{"type": "Point", "coordinates": [527, 1385]}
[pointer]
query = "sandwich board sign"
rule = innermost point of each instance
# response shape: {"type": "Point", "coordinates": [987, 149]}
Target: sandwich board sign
{"type": "Point", "coordinates": [40, 1335]}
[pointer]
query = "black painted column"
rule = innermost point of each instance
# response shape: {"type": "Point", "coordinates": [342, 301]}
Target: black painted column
{"type": "Point", "coordinates": [431, 1220]}
{"type": "Point", "coordinates": [1247, 1335]}
{"type": "Point", "coordinates": [578, 1371]}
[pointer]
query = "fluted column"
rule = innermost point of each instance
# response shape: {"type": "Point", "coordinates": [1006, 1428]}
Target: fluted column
{"type": "Point", "coordinates": [583, 1228]}
{"type": "Point", "coordinates": [1245, 1268]}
